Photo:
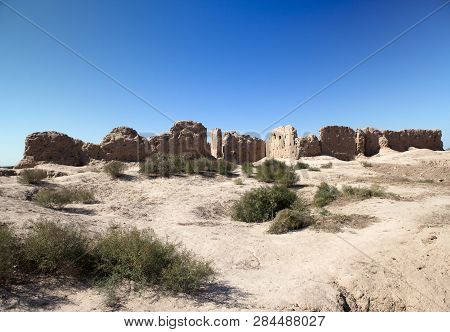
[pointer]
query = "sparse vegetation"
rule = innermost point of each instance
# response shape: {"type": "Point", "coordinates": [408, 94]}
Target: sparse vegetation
{"type": "Point", "coordinates": [314, 169]}
{"type": "Point", "coordinates": [225, 167]}
{"type": "Point", "coordinates": [53, 248]}
{"type": "Point", "coordinates": [363, 193]}
{"type": "Point", "coordinates": [289, 220]}
{"type": "Point", "coordinates": [325, 194]}
{"type": "Point", "coordinates": [238, 182]}
{"type": "Point", "coordinates": [165, 165]}
{"type": "Point", "coordinates": [32, 176]}
{"type": "Point", "coordinates": [8, 254]}
{"type": "Point", "coordinates": [58, 198]}
{"type": "Point", "coordinates": [366, 164]}
{"type": "Point", "coordinates": [274, 171]}
{"type": "Point", "coordinates": [327, 165]}
{"type": "Point", "coordinates": [115, 168]}
{"type": "Point", "coordinates": [334, 223]}
{"type": "Point", "coordinates": [139, 256]}
{"type": "Point", "coordinates": [301, 165]}
{"type": "Point", "coordinates": [247, 169]}
{"type": "Point", "coordinates": [261, 204]}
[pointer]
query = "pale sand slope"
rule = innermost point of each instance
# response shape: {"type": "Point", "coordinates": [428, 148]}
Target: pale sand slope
{"type": "Point", "coordinates": [400, 262]}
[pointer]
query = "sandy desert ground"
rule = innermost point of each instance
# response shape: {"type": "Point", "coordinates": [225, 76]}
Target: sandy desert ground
{"type": "Point", "coordinates": [395, 257]}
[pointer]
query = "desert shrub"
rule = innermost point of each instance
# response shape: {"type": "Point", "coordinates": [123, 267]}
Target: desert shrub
{"type": "Point", "coordinates": [325, 194]}
{"type": "Point", "coordinates": [225, 167]}
{"type": "Point", "coordinates": [247, 169]}
{"type": "Point", "coordinates": [8, 254]}
{"type": "Point", "coordinates": [81, 196]}
{"type": "Point", "coordinates": [53, 248]}
{"type": "Point", "coordinates": [115, 168]}
{"type": "Point", "coordinates": [32, 176]}
{"type": "Point", "coordinates": [58, 198]}
{"type": "Point", "coordinates": [166, 165]}
{"type": "Point", "coordinates": [366, 164]}
{"type": "Point", "coordinates": [300, 205]}
{"type": "Point", "coordinates": [363, 193]}
{"type": "Point", "coordinates": [301, 165]}
{"type": "Point", "coordinates": [185, 273]}
{"type": "Point", "coordinates": [139, 256]}
{"type": "Point", "coordinates": [314, 169]}
{"type": "Point", "coordinates": [334, 223]}
{"type": "Point", "coordinates": [261, 204]}
{"type": "Point", "coordinates": [177, 163]}
{"type": "Point", "coordinates": [238, 182]}
{"type": "Point", "coordinates": [290, 220]}
{"type": "Point", "coordinates": [272, 170]}
{"type": "Point", "coordinates": [158, 165]}
{"type": "Point", "coordinates": [204, 165]}
{"type": "Point", "coordinates": [327, 165]}
{"type": "Point", "coordinates": [189, 167]}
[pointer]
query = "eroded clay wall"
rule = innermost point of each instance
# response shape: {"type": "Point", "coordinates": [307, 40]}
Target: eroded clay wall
{"type": "Point", "coordinates": [190, 138]}
{"type": "Point", "coordinates": [417, 138]}
{"type": "Point", "coordinates": [242, 148]}
{"type": "Point", "coordinates": [281, 143]}
{"type": "Point", "coordinates": [338, 142]}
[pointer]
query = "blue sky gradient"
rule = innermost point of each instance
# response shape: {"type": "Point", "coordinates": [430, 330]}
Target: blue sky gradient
{"type": "Point", "coordinates": [231, 64]}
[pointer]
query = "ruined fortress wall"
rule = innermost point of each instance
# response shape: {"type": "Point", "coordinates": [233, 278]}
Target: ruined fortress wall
{"type": "Point", "coordinates": [53, 147]}
{"type": "Point", "coordinates": [242, 148]}
{"type": "Point", "coordinates": [417, 138]}
{"type": "Point", "coordinates": [308, 146]}
{"type": "Point", "coordinates": [216, 143]}
{"type": "Point", "coordinates": [338, 142]}
{"type": "Point", "coordinates": [190, 138]}
{"type": "Point", "coordinates": [372, 138]}
{"type": "Point", "coordinates": [281, 143]}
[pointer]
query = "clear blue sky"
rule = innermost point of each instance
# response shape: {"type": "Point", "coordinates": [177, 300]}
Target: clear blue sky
{"type": "Point", "coordinates": [230, 64]}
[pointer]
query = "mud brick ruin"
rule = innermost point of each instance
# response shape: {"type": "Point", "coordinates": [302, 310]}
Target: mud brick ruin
{"type": "Point", "coordinates": [190, 138]}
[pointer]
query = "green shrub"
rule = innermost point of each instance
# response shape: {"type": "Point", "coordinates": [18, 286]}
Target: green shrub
{"type": "Point", "coordinates": [314, 169]}
{"type": "Point", "coordinates": [177, 163]}
{"type": "Point", "coordinates": [189, 167]}
{"type": "Point", "coordinates": [115, 168]}
{"type": "Point", "coordinates": [185, 273]}
{"type": "Point", "coordinates": [8, 254]}
{"type": "Point", "coordinates": [158, 165]}
{"type": "Point", "coordinates": [247, 169]}
{"type": "Point", "coordinates": [53, 248]}
{"type": "Point", "coordinates": [140, 257]}
{"type": "Point", "coordinates": [301, 165]}
{"type": "Point", "coordinates": [58, 198]}
{"type": "Point", "coordinates": [325, 194]}
{"type": "Point", "coordinates": [327, 165]}
{"type": "Point", "coordinates": [225, 167]}
{"type": "Point", "coordinates": [289, 220]}
{"type": "Point", "coordinates": [201, 165]}
{"type": "Point", "coordinates": [261, 204]}
{"type": "Point", "coordinates": [274, 171]}
{"type": "Point", "coordinates": [366, 164]}
{"type": "Point", "coordinates": [363, 193]}
{"type": "Point", "coordinates": [32, 176]}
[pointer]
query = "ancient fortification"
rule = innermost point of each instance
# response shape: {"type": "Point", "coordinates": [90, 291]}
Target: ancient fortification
{"type": "Point", "coordinates": [190, 138]}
